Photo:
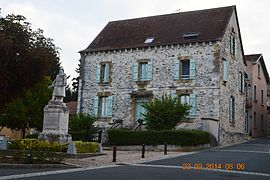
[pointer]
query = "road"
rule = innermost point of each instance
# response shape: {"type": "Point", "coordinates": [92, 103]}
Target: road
{"type": "Point", "coordinates": [247, 161]}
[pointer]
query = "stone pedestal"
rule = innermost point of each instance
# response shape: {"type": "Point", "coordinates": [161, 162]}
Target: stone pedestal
{"type": "Point", "coordinates": [55, 123]}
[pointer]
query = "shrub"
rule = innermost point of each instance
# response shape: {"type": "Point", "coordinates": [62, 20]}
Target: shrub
{"type": "Point", "coordinates": [81, 127]}
{"type": "Point", "coordinates": [174, 137]}
{"type": "Point", "coordinates": [31, 136]}
{"type": "Point", "coordinates": [36, 145]}
{"type": "Point", "coordinates": [86, 147]}
{"type": "Point", "coordinates": [164, 113]}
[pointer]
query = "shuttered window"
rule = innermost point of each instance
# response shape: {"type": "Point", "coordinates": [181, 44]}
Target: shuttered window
{"type": "Point", "coordinates": [140, 110]}
{"type": "Point", "coordinates": [232, 110]}
{"type": "Point", "coordinates": [103, 106]}
{"type": "Point", "coordinates": [103, 73]}
{"type": "Point", "coordinates": [225, 70]}
{"type": "Point", "coordinates": [191, 101]}
{"type": "Point", "coordinates": [184, 69]}
{"type": "Point", "coordinates": [142, 71]}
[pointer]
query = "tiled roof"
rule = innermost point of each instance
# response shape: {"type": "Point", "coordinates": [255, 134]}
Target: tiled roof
{"type": "Point", "coordinates": [209, 24]}
{"type": "Point", "coordinates": [255, 57]}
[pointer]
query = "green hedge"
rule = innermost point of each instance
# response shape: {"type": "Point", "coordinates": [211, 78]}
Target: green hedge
{"type": "Point", "coordinates": [37, 145]}
{"type": "Point", "coordinates": [174, 137]}
{"type": "Point", "coordinates": [86, 147]}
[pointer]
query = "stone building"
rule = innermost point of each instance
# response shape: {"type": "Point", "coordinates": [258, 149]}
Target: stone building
{"type": "Point", "coordinates": [257, 120]}
{"type": "Point", "coordinates": [195, 55]}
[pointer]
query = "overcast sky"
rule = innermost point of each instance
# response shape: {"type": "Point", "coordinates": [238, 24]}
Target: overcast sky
{"type": "Point", "coordinates": [73, 24]}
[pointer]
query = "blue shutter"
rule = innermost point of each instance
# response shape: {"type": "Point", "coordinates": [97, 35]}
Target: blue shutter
{"type": "Point", "coordinates": [96, 105]}
{"type": "Point", "coordinates": [192, 68]}
{"type": "Point", "coordinates": [243, 82]}
{"type": "Point", "coordinates": [192, 103]}
{"type": "Point", "coordinates": [234, 110]}
{"type": "Point", "coordinates": [176, 70]}
{"type": "Point", "coordinates": [230, 109]}
{"type": "Point", "coordinates": [149, 71]}
{"type": "Point", "coordinates": [225, 70]}
{"type": "Point", "coordinates": [106, 77]}
{"type": "Point", "coordinates": [110, 105]}
{"type": "Point", "coordinates": [98, 74]}
{"type": "Point", "coordinates": [135, 72]}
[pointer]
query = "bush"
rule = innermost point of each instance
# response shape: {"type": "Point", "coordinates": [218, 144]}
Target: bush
{"type": "Point", "coordinates": [174, 137]}
{"type": "Point", "coordinates": [36, 145]}
{"type": "Point", "coordinates": [31, 136]}
{"type": "Point", "coordinates": [86, 147]}
{"type": "Point", "coordinates": [164, 113]}
{"type": "Point", "coordinates": [81, 127]}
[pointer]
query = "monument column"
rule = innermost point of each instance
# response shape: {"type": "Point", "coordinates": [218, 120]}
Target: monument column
{"type": "Point", "coordinates": [56, 113]}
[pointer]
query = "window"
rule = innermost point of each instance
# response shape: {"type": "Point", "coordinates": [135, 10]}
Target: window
{"type": "Point", "coordinates": [262, 124]}
{"type": "Point", "coordinates": [225, 70]}
{"type": "Point", "coordinates": [254, 93]}
{"type": "Point", "coordinates": [232, 42]}
{"type": "Point", "coordinates": [184, 69]}
{"type": "Point", "coordinates": [103, 106]}
{"type": "Point", "coordinates": [191, 101]}
{"type": "Point", "coordinates": [262, 97]}
{"type": "Point", "coordinates": [241, 82]}
{"type": "Point", "coordinates": [255, 120]}
{"type": "Point", "coordinates": [103, 73]}
{"type": "Point", "coordinates": [140, 110]}
{"type": "Point", "coordinates": [259, 70]}
{"type": "Point", "coordinates": [142, 71]}
{"type": "Point", "coordinates": [232, 109]}
{"type": "Point", "coordinates": [149, 40]}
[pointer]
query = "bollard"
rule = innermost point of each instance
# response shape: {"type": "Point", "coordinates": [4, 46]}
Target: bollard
{"type": "Point", "coordinates": [165, 148]}
{"type": "Point", "coordinates": [143, 150]}
{"type": "Point", "coordinates": [114, 154]}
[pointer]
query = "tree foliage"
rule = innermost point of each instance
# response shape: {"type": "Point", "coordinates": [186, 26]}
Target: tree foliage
{"type": "Point", "coordinates": [27, 110]}
{"type": "Point", "coordinates": [164, 113]}
{"type": "Point", "coordinates": [83, 124]}
{"type": "Point", "coordinates": [26, 57]}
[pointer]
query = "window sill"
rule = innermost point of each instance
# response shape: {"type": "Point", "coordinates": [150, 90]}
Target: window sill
{"type": "Point", "coordinates": [184, 80]}
{"type": "Point", "coordinates": [104, 84]}
{"type": "Point", "coordinates": [142, 82]}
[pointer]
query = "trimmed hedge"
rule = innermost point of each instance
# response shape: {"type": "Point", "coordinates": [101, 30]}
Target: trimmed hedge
{"type": "Point", "coordinates": [173, 137]}
{"type": "Point", "coordinates": [86, 147]}
{"type": "Point", "coordinates": [37, 145]}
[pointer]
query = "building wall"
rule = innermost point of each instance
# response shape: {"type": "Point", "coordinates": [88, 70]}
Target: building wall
{"type": "Point", "coordinates": [257, 105]}
{"type": "Point", "coordinates": [232, 132]}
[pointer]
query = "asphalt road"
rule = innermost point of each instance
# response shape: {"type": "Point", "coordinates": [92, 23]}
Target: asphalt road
{"type": "Point", "coordinates": [250, 160]}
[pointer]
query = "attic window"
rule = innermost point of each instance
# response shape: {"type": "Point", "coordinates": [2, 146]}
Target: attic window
{"type": "Point", "coordinates": [190, 35]}
{"type": "Point", "coordinates": [149, 40]}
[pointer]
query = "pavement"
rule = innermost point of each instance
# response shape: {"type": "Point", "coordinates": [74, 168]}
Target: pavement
{"type": "Point", "coordinates": [249, 160]}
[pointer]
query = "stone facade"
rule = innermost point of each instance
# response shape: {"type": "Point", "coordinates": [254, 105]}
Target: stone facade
{"type": "Point", "coordinates": [211, 92]}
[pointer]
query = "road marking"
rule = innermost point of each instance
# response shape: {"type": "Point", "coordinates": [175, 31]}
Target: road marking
{"type": "Point", "coordinates": [205, 169]}
{"type": "Point", "coordinates": [52, 172]}
{"type": "Point", "coordinates": [253, 145]}
{"type": "Point", "coordinates": [242, 151]}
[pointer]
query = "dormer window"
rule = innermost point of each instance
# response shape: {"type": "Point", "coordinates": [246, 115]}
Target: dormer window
{"type": "Point", "coordinates": [149, 40]}
{"type": "Point", "coordinates": [190, 35]}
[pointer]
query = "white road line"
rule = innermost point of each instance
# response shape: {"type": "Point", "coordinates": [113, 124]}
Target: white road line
{"type": "Point", "coordinates": [204, 169]}
{"type": "Point", "coordinates": [51, 172]}
{"type": "Point", "coordinates": [242, 151]}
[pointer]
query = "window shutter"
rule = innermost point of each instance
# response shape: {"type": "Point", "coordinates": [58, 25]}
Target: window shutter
{"type": "Point", "coordinates": [239, 81]}
{"type": "Point", "coordinates": [230, 109]}
{"type": "Point", "coordinates": [98, 74]}
{"type": "Point", "coordinates": [192, 68]}
{"type": "Point", "coordinates": [176, 70]}
{"type": "Point", "coordinates": [96, 105]}
{"type": "Point", "coordinates": [225, 70]}
{"type": "Point", "coordinates": [243, 82]}
{"type": "Point", "coordinates": [135, 72]}
{"type": "Point", "coordinates": [192, 103]}
{"type": "Point", "coordinates": [106, 78]}
{"type": "Point", "coordinates": [110, 105]}
{"type": "Point", "coordinates": [234, 110]}
{"type": "Point", "coordinates": [149, 71]}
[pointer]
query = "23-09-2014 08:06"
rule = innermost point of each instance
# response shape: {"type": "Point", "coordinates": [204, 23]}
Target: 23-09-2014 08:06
{"type": "Point", "coordinates": [226, 166]}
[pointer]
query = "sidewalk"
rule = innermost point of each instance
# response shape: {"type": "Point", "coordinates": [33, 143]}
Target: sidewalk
{"type": "Point", "coordinates": [122, 157]}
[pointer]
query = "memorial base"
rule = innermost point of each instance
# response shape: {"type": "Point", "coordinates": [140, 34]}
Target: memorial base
{"type": "Point", "coordinates": [55, 123]}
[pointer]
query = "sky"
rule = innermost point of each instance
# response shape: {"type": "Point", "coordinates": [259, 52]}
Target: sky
{"type": "Point", "coordinates": [73, 24]}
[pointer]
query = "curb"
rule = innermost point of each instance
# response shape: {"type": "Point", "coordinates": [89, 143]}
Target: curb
{"type": "Point", "coordinates": [4, 165]}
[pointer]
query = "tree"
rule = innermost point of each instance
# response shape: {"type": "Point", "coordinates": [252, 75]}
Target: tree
{"type": "Point", "coordinates": [164, 113]}
{"type": "Point", "coordinates": [81, 127]}
{"type": "Point", "coordinates": [27, 111]}
{"type": "Point", "coordinates": [26, 57]}
{"type": "Point", "coordinates": [72, 93]}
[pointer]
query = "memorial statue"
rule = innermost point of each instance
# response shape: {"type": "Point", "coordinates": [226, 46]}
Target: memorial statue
{"type": "Point", "coordinates": [58, 85]}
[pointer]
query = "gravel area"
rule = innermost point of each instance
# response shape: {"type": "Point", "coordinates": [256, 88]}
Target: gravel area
{"type": "Point", "coordinates": [122, 157]}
